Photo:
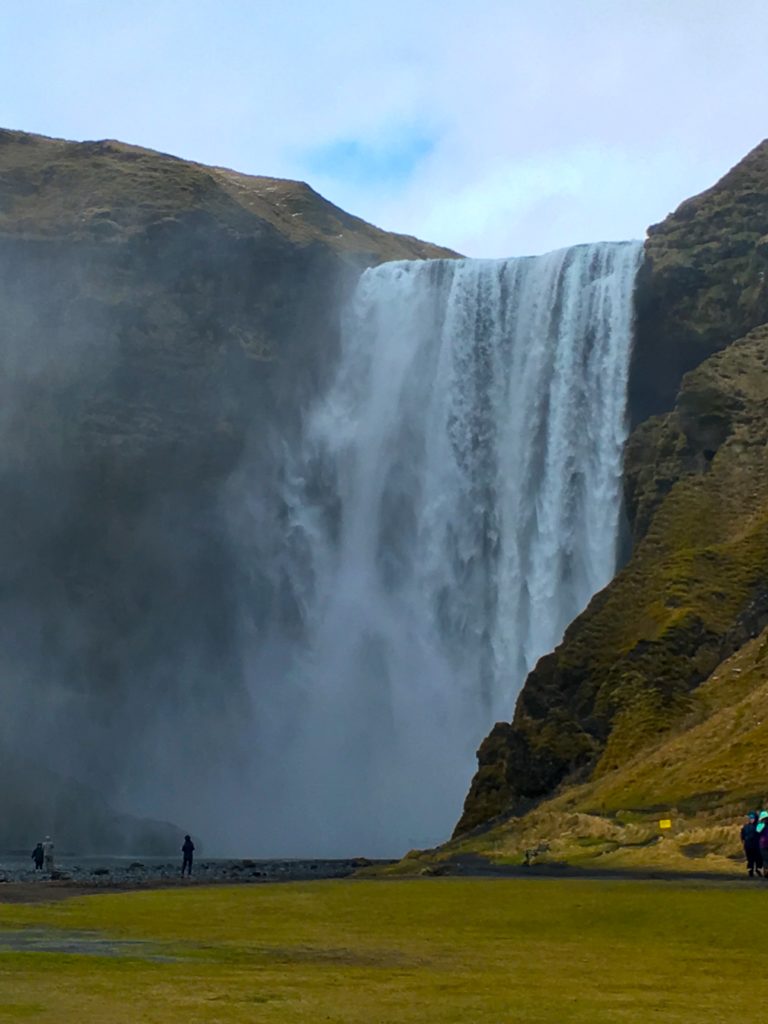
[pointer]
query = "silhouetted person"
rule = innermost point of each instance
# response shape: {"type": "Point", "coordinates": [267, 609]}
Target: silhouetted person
{"type": "Point", "coordinates": [48, 854]}
{"type": "Point", "coordinates": [38, 856]}
{"type": "Point", "coordinates": [750, 840]}
{"type": "Point", "coordinates": [188, 850]}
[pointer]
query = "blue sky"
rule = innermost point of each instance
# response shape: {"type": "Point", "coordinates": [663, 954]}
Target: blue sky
{"type": "Point", "coordinates": [498, 127]}
{"type": "Point", "coordinates": [390, 162]}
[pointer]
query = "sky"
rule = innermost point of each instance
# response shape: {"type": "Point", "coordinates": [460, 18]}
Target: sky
{"type": "Point", "coordinates": [495, 127]}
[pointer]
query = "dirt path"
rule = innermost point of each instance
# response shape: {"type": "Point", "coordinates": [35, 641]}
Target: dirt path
{"type": "Point", "coordinates": [53, 892]}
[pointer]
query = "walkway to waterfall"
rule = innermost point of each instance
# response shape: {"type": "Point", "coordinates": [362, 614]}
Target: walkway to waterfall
{"type": "Point", "coordinates": [48, 891]}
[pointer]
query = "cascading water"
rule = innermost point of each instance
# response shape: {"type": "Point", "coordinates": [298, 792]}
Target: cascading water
{"type": "Point", "coordinates": [456, 504]}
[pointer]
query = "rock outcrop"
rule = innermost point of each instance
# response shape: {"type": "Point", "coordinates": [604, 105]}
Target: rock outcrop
{"type": "Point", "coordinates": [695, 589]}
{"type": "Point", "coordinates": [704, 283]}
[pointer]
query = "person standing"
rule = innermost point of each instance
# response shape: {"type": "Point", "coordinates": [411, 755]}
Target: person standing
{"type": "Point", "coordinates": [38, 856]}
{"type": "Point", "coordinates": [750, 840]}
{"type": "Point", "coordinates": [48, 854]}
{"type": "Point", "coordinates": [762, 835]}
{"type": "Point", "coordinates": [188, 849]}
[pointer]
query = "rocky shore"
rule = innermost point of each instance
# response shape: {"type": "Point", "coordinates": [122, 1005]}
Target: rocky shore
{"type": "Point", "coordinates": [109, 873]}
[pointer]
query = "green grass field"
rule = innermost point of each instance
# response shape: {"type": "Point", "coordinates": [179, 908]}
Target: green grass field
{"type": "Point", "coordinates": [354, 952]}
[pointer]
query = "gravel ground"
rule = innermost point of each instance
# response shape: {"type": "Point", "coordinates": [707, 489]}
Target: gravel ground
{"type": "Point", "coordinates": [81, 876]}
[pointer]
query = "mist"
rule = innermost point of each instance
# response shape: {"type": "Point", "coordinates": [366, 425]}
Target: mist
{"type": "Point", "coordinates": [140, 362]}
{"type": "Point", "coordinates": [280, 541]}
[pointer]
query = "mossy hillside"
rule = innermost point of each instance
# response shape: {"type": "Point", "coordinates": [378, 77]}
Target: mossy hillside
{"type": "Point", "coordinates": [663, 449]}
{"type": "Point", "coordinates": [437, 950]}
{"type": "Point", "coordinates": [704, 774]}
{"type": "Point", "coordinates": [713, 759]}
{"type": "Point", "coordinates": [557, 835]}
{"type": "Point", "coordinates": [108, 190]}
{"type": "Point", "coordinates": [693, 592]}
{"type": "Point", "coordinates": [704, 282]}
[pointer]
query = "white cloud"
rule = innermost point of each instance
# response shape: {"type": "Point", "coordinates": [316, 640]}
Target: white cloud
{"type": "Point", "coordinates": [554, 122]}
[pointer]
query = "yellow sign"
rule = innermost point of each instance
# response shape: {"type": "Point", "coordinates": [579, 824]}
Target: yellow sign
{"type": "Point", "coordinates": [665, 823]}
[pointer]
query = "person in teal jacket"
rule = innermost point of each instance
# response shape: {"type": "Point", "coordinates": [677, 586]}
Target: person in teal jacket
{"type": "Point", "coordinates": [750, 840]}
{"type": "Point", "coordinates": [762, 835]}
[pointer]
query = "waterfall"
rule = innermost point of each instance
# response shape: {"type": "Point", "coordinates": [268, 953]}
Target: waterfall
{"type": "Point", "coordinates": [455, 505]}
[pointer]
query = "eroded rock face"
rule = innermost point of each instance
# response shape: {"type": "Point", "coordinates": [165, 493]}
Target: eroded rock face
{"type": "Point", "coordinates": [156, 317]}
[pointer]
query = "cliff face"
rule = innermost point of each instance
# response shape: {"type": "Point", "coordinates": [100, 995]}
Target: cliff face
{"type": "Point", "coordinates": [704, 282]}
{"type": "Point", "coordinates": [696, 586]}
{"type": "Point", "coordinates": [161, 325]}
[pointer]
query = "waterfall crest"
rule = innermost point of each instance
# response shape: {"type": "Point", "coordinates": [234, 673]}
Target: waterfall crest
{"type": "Point", "coordinates": [455, 505]}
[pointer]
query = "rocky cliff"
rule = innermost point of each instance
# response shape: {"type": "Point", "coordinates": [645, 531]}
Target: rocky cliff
{"type": "Point", "coordinates": [633, 669]}
{"type": "Point", "coordinates": [703, 284]}
{"type": "Point", "coordinates": [161, 326]}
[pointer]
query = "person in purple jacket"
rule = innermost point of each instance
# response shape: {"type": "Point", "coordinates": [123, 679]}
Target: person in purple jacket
{"type": "Point", "coordinates": [750, 840]}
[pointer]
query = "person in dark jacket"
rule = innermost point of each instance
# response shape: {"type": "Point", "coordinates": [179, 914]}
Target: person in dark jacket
{"type": "Point", "coordinates": [38, 856]}
{"type": "Point", "coordinates": [188, 849]}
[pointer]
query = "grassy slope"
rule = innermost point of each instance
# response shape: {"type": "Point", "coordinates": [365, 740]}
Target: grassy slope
{"type": "Point", "coordinates": [625, 685]}
{"type": "Point", "coordinates": [53, 188]}
{"type": "Point", "coordinates": [702, 775]}
{"type": "Point", "coordinates": [439, 951]}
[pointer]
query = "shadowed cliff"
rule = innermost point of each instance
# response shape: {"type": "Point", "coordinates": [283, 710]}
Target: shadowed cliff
{"type": "Point", "coordinates": [162, 324]}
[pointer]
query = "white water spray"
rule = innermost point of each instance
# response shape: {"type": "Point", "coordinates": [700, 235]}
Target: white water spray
{"type": "Point", "coordinates": [455, 506]}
